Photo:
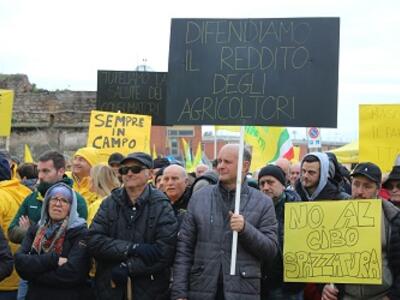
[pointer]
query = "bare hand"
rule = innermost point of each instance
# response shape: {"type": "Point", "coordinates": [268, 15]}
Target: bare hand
{"type": "Point", "coordinates": [329, 292]}
{"type": "Point", "coordinates": [237, 222]}
{"type": "Point", "coordinates": [24, 222]}
{"type": "Point", "coordinates": [386, 298]}
{"type": "Point", "coordinates": [62, 260]}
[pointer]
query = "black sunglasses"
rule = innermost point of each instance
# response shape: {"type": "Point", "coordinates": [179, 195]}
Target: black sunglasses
{"type": "Point", "coordinates": [134, 169]}
{"type": "Point", "coordinates": [391, 186]}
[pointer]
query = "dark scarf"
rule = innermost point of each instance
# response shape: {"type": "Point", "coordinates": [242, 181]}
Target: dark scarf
{"type": "Point", "coordinates": [50, 237]}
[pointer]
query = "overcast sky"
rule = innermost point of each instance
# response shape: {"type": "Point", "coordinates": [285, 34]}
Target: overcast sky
{"type": "Point", "coordinates": [61, 44]}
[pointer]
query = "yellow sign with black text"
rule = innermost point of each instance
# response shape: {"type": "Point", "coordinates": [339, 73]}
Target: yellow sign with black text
{"type": "Point", "coordinates": [380, 134]}
{"type": "Point", "coordinates": [333, 242]}
{"type": "Point", "coordinates": [118, 132]}
{"type": "Point", "coordinates": [6, 108]}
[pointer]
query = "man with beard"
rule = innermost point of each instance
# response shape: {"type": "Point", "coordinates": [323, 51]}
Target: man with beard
{"type": "Point", "coordinates": [366, 182]}
{"type": "Point", "coordinates": [315, 183]}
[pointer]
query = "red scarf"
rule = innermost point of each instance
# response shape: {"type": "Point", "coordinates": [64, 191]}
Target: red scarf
{"type": "Point", "coordinates": [48, 239]}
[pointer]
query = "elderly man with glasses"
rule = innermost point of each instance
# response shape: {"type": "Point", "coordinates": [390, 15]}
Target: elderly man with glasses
{"type": "Point", "coordinates": [133, 236]}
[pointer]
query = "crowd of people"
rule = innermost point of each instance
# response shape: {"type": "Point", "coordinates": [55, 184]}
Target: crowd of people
{"type": "Point", "coordinates": [138, 228]}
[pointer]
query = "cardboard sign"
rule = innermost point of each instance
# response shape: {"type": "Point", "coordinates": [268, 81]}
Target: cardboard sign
{"type": "Point", "coordinates": [6, 107]}
{"type": "Point", "coordinates": [132, 92]}
{"type": "Point", "coordinates": [380, 135]}
{"type": "Point", "coordinates": [276, 72]}
{"type": "Point", "coordinates": [117, 132]}
{"type": "Point", "coordinates": [333, 241]}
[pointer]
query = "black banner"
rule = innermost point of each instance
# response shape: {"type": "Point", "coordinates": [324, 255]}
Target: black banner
{"type": "Point", "coordinates": [273, 72]}
{"type": "Point", "coordinates": [133, 92]}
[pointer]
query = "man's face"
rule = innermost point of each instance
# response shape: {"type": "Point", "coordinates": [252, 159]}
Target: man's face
{"type": "Point", "coordinates": [227, 165]}
{"type": "Point", "coordinates": [159, 183]}
{"type": "Point", "coordinates": [80, 167]}
{"type": "Point", "coordinates": [394, 190]}
{"type": "Point", "coordinates": [271, 186]}
{"type": "Point", "coordinates": [310, 174]}
{"type": "Point", "coordinates": [174, 182]}
{"type": "Point", "coordinates": [58, 208]}
{"type": "Point", "coordinates": [200, 170]}
{"type": "Point", "coordinates": [294, 174]}
{"type": "Point", "coordinates": [363, 188]}
{"type": "Point", "coordinates": [48, 173]}
{"type": "Point", "coordinates": [135, 180]}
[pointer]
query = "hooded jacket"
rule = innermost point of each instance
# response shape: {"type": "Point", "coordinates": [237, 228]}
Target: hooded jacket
{"type": "Point", "coordinates": [83, 185]}
{"type": "Point", "coordinates": [12, 193]}
{"type": "Point", "coordinates": [31, 207]}
{"type": "Point", "coordinates": [46, 279]}
{"type": "Point", "coordinates": [327, 189]}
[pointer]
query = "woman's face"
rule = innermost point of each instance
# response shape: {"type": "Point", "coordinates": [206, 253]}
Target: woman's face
{"type": "Point", "coordinates": [58, 208]}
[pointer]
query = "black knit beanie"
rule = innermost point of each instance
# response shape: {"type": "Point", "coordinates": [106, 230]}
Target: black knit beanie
{"type": "Point", "coordinates": [273, 171]}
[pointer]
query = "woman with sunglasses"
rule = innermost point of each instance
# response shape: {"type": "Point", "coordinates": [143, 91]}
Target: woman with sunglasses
{"type": "Point", "coordinates": [392, 184]}
{"type": "Point", "coordinates": [53, 257]}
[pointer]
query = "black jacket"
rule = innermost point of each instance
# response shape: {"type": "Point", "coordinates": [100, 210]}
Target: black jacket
{"type": "Point", "coordinates": [272, 273]}
{"type": "Point", "coordinates": [45, 278]}
{"type": "Point", "coordinates": [117, 226]}
{"type": "Point", "coordinates": [6, 258]}
{"type": "Point", "coordinates": [180, 205]}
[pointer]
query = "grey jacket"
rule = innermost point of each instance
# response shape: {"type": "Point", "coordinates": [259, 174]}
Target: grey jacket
{"type": "Point", "coordinates": [205, 240]}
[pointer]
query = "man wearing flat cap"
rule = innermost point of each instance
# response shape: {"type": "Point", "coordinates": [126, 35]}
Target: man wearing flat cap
{"type": "Point", "coordinates": [366, 182]}
{"type": "Point", "coordinates": [133, 236]}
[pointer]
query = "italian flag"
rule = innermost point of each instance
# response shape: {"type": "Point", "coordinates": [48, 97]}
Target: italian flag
{"type": "Point", "coordinates": [268, 144]}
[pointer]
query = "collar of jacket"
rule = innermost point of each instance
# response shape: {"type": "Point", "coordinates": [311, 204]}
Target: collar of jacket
{"type": "Point", "coordinates": [390, 210]}
{"type": "Point", "coordinates": [140, 201]}
{"type": "Point", "coordinates": [224, 191]}
{"type": "Point", "coordinates": [183, 201]}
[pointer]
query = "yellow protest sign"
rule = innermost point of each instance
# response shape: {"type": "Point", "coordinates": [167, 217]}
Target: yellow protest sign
{"type": "Point", "coordinates": [333, 241]}
{"type": "Point", "coordinates": [117, 132]}
{"type": "Point", "coordinates": [6, 106]}
{"type": "Point", "coordinates": [380, 134]}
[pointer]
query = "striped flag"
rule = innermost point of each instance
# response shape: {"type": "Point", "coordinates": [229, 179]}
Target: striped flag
{"type": "Point", "coordinates": [268, 144]}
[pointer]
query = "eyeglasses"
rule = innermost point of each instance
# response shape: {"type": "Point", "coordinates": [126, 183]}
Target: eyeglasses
{"type": "Point", "coordinates": [391, 186]}
{"type": "Point", "coordinates": [61, 201]}
{"type": "Point", "coordinates": [134, 169]}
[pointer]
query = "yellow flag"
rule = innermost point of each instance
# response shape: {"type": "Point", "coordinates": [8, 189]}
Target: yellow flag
{"type": "Point", "coordinates": [154, 153]}
{"type": "Point", "coordinates": [187, 154]}
{"type": "Point", "coordinates": [226, 128]}
{"type": "Point", "coordinates": [296, 155]}
{"type": "Point", "coordinates": [28, 155]}
{"type": "Point", "coordinates": [198, 156]}
{"type": "Point", "coordinates": [6, 106]}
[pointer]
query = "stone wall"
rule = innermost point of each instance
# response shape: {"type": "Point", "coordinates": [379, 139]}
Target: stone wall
{"type": "Point", "coordinates": [47, 120]}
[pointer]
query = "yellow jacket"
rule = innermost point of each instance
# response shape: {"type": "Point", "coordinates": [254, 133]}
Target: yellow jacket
{"type": "Point", "coordinates": [83, 187]}
{"type": "Point", "coordinates": [12, 193]}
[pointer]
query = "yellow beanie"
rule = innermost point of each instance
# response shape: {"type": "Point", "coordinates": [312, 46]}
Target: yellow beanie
{"type": "Point", "coordinates": [90, 154]}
